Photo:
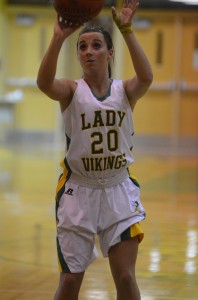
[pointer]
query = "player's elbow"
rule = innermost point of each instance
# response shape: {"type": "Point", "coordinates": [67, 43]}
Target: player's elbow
{"type": "Point", "coordinates": [147, 79]}
{"type": "Point", "coordinates": [150, 77]}
{"type": "Point", "coordinates": [42, 85]}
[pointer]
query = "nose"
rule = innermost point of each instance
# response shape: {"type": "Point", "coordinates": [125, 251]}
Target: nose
{"type": "Point", "coordinates": [89, 50]}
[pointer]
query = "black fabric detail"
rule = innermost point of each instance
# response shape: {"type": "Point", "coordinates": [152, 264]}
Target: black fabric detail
{"type": "Point", "coordinates": [64, 266]}
{"type": "Point", "coordinates": [126, 235]}
{"type": "Point", "coordinates": [135, 182]}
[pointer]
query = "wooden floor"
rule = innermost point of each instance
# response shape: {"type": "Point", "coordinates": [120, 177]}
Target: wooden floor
{"type": "Point", "coordinates": [167, 266]}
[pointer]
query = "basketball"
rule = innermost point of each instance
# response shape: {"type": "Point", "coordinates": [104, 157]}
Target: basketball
{"type": "Point", "coordinates": [77, 11]}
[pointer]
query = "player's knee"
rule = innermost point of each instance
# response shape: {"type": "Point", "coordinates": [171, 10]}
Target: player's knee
{"type": "Point", "coordinates": [127, 280]}
{"type": "Point", "coordinates": [127, 287]}
{"type": "Point", "coordinates": [68, 287]}
{"type": "Point", "coordinates": [69, 283]}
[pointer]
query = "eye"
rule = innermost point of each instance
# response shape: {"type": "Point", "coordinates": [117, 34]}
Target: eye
{"type": "Point", "coordinates": [82, 47]}
{"type": "Point", "coordinates": [96, 45]}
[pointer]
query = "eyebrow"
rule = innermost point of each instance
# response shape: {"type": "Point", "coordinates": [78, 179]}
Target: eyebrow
{"type": "Point", "coordinates": [95, 40]}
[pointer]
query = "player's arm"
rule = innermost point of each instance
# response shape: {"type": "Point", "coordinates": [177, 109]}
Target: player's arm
{"type": "Point", "coordinates": [137, 86]}
{"type": "Point", "coordinates": [57, 89]}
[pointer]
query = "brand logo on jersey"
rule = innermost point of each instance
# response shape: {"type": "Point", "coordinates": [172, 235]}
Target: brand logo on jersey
{"type": "Point", "coordinates": [69, 192]}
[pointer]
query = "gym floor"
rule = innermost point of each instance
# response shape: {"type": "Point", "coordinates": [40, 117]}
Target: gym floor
{"type": "Point", "coordinates": [167, 266]}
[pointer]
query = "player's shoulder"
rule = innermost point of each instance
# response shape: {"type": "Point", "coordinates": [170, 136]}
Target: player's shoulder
{"type": "Point", "coordinates": [117, 83]}
{"type": "Point", "coordinates": [69, 84]}
{"type": "Point", "coordinates": [68, 90]}
{"type": "Point", "coordinates": [118, 86]}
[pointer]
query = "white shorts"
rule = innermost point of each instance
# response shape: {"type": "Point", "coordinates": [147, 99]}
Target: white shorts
{"type": "Point", "coordinates": [82, 212]}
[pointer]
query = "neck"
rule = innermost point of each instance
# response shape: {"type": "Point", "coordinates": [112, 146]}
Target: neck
{"type": "Point", "coordinates": [96, 79]}
{"type": "Point", "coordinates": [99, 86]}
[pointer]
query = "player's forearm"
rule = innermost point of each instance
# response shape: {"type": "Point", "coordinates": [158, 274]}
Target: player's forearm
{"type": "Point", "coordinates": [140, 62]}
{"type": "Point", "coordinates": [47, 70]}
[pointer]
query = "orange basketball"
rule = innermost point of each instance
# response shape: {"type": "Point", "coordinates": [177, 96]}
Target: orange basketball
{"type": "Point", "coordinates": [77, 11]}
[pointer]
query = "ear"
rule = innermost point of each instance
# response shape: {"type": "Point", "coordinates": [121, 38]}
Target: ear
{"type": "Point", "coordinates": [111, 53]}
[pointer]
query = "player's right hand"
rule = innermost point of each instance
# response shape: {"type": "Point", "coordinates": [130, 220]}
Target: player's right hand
{"type": "Point", "coordinates": [63, 29]}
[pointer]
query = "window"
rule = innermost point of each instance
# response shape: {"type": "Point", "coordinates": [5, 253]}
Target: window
{"type": "Point", "coordinates": [195, 52]}
{"type": "Point", "coordinates": [159, 48]}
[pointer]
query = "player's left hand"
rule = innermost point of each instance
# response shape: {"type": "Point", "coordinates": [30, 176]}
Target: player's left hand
{"type": "Point", "coordinates": [127, 12]}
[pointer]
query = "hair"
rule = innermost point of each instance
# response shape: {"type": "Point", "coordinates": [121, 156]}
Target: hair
{"type": "Point", "coordinates": [106, 35]}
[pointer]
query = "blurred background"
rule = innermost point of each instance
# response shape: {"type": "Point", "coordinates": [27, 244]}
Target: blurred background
{"type": "Point", "coordinates": [167, 31]}
{"type": "Point", "coordinates": [166, 150]}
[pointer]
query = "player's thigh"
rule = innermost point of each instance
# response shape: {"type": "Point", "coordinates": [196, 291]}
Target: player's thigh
{"type": "Point", "coordinates": [123, 256]}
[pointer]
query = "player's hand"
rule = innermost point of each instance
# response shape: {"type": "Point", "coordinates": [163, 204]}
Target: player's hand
{"type": "Point", "coordinates": [63, 29]}
{"type": "Point", "coordinates": [127, 12]}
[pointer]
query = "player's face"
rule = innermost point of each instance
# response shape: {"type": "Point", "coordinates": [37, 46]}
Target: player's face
{"type": "Point", "coordinates": [93, 51]}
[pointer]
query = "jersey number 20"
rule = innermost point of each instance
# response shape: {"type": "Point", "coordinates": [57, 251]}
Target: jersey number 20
{"type": "Point", "coordinates": [112, 141]}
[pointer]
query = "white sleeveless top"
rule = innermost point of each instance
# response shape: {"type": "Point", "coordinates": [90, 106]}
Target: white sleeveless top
{"type": "Point", "coordinates": [99, 134]}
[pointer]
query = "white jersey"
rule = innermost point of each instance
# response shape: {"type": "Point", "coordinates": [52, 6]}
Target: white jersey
{"type": "Point", "coordinates": [99, 133]}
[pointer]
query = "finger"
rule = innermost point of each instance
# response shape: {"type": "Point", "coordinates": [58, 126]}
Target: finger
{"type": "Point", "coordinates": [113, 11]}
{"type": "Point", "coordinates": [134, 4]}
{"type": "Point", "coordinates": [65, 23]}
{"type": "Point", "coordinates": [125, 3]}
{"type": "Point", "coordinates": [130, 3]}
{"type": "Point", "coordinates": [135, 7]}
